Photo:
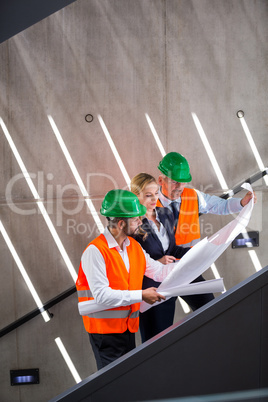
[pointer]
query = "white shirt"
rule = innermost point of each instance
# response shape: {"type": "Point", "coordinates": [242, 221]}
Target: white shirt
{"type": "Point", "coordinates": [94, 267]}
{"type": "Point", "coordinates": [161, 233]}
{"type": "Point", "coordinates": [209, 204]}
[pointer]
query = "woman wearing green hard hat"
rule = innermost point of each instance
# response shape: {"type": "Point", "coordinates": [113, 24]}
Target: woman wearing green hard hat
{"type": "Point", "coordinates": [186, 204]}
{"type": "Point", "coordinates": [111, 273]}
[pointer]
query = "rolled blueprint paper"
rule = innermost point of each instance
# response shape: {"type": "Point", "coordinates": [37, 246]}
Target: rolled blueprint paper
{"type": "Point", "coordinates": [211, 286]}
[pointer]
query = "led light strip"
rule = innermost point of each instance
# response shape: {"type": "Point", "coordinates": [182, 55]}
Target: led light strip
{"type": "Point", "coordinates": [184, 305]}
{"type": "Point", "coordinates": [156, 137]}
{"type": "Point", "coordinates": [114, 150]}
{"type": "Point", "coordinates": [222, 181]}
{"type": "Point", "coordinates": [255, 260]}
{"type": "Point", "coordinates": [39, 202]}
{"type": "Point", "coordinates": [252, 253]}
{"type": "Point", "coordinates": [24, 273]}
{"type": "Point", "coordinates": [76, 174]}
{"type": "Point", "coordinates": [216, 274]}
{"type": "Point", "coordinates": [215, 166]}
{"type": "Point", "coordinates": [209, 152]}
{"type": "Point", "coordinates": [253, 147]}
{"type": "Point", "coordinates": [68, 360]}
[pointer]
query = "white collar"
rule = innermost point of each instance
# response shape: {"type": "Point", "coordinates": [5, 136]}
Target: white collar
{"type": "Point", "coordinates": [111, 240]}
{"type": "Point", "coordinates": [166, 201]}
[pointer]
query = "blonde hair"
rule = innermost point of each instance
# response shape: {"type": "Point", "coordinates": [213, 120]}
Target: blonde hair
{"type": "Point", "coordinates": [137, 185]}
{"type": "Point", "coordinates": [140, 181]}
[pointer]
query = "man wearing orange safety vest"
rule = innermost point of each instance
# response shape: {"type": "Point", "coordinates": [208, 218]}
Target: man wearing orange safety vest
{"type": "Point", "coordinates": [186, 205]}
{"type": "Point", "coordinates": [111, 273]}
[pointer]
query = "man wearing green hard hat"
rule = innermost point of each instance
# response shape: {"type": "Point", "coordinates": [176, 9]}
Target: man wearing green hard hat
{"type": "Point", "coordinates": [111, 273]}
{"type": "Point", "coordinates": [186, 204]}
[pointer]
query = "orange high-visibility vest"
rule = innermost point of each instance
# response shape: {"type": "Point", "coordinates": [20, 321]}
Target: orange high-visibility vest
{"type": "Point", "coordinates": [187, 229]}
{"type": "Point", "coordinates": [116, 320]}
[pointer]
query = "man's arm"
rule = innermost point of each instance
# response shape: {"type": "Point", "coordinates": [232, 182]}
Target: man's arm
{"type": "Point", "coordinates": [216, 205]}
{"type": "Point", "coordinates": [212, 204]}
{"type": "Point", "coordinates": [151, 296]}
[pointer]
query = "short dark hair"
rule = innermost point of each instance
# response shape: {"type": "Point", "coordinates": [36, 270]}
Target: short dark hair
{"type": "Point", "coordinates": [112, 221]}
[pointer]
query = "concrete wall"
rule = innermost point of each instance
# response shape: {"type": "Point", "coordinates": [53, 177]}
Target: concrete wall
{"type": "Point", "coordinates": [118, 59]}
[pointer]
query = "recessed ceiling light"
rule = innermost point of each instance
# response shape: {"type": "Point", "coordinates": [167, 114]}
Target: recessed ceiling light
{"type": "Point", "coordinates": [240, 114]}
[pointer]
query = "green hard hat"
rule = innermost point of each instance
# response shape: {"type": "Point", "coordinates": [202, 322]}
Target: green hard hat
{"type": "Point", "coordinates": [176, 167]}
{"type": "Point", "coordinates": [121, 204]}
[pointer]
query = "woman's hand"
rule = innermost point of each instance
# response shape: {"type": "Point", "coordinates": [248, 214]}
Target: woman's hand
{"type": "Point", "coordinates": [167, 259]}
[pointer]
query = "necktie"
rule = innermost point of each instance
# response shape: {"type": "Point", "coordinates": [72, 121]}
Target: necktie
{"type": "Point", "coordinates": [175, 210]}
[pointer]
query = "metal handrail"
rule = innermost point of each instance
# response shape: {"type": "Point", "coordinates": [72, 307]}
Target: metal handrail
{"type": "Point", "coordinates": [27, 317]}
{"type": "Point", "coordinates": [250, 180]}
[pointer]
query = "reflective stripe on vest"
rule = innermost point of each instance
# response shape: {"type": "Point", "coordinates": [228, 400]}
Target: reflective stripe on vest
{"type": "Point", "coordinates": [191, 244]}
{"type": "Point", "coordinates": [114, 314]}
{"type": "Point", "coordinates": [187, 231]}
{"type": "Point", "coordinates": [85, 293]}
{"type": "Point", "coordinates": [119, 319]}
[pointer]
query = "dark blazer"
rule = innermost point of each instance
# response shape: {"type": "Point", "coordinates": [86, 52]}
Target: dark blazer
{"type": "Point", "coordinates": [153, 246]}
